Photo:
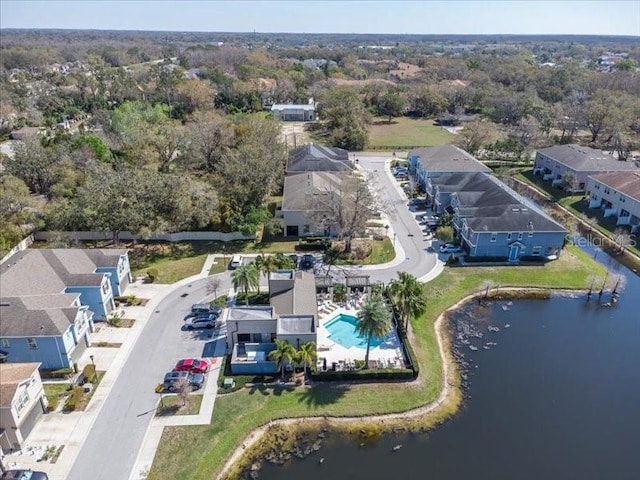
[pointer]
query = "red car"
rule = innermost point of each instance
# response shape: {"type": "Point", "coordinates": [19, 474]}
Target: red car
{"type": "Point", "coordinates": [192, 365]}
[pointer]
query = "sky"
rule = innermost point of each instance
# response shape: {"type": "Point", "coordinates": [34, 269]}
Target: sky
{"type": "Point", "coordinates": [300, 16]}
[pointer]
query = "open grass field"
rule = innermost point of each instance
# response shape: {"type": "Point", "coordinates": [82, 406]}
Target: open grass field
{"type": "Point", "coordinates": [404, 133]}
{"type": "Point", "coordinates": [237, 414]}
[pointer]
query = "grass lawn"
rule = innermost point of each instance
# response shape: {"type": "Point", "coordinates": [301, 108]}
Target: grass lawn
{"type": "Point", "coordinates": [382, 251]}
{"type": "Point", "coordinates": [236, 414]}
{"type": "Point", "coordinates": [218, 267]}
{"type": "Point", "coordinates": [171, 270]}
{"type": "Point", "coordinates": [54, 391]}
{"type": "Point", "coordinates": [173, 406]}
{"type": "Point", "coordinates": [403, 133]}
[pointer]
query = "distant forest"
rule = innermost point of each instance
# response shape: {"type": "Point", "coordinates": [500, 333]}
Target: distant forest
{"type": "Point", "coordinates": [168, 131]}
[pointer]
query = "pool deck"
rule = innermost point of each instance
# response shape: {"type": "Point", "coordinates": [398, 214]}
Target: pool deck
{"type": "Point", "coordinates": [387, 355]}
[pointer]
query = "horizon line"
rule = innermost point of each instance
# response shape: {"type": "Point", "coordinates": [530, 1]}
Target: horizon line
{"type": "Point", "coordinates": [325, 33]}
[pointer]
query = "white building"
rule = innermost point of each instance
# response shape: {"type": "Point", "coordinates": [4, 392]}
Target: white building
{"type": "Point", "coordinates": [617, 194]}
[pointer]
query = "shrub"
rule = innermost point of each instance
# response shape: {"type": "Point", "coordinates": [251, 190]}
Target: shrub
{"type": "Point", "coordinates": [52, 403]}
{"type": "Point", "coordinates": [152, 275]}
{"type": "Point", "coordinates": [59, 373]}
{"type": "Point", "coordinates": [89, 373]}
{"type": "Point", "coordinates": [74, 400]}
{"type": "Point", "coordinates": [363, 375]}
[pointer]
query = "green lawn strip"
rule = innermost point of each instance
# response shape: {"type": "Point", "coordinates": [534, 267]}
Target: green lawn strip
{"type": "Point", "coordinates": [170, 270]}
{"type": "Point", "coordinates": [54, 391]}
{"type": "Point", "coordinates": [237, 414]}
{"type": "Point", "coordinates": [405, 133]}
{"type": "Point", "coordinates": [172, 405]}
{"type": "Point", "coordinates": [382, 251]}
{"type": "Point", "coordinates": [218, 267]}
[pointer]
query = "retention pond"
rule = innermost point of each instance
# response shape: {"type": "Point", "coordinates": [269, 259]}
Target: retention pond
{"type": "Point", "coordinates": [553, 391]}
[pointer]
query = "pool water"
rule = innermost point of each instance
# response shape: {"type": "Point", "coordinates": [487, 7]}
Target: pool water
{"type": "Point", "coordinates": [342, 330]}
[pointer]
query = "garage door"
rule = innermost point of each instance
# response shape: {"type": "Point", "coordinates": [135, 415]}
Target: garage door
{"type": "Point", "coordinates": [292, 230]}
{"type": "Point", "coordinates": [124, 284]}
{"type": "Point", "coordinates": [83, 343]}
{"type": "Point", "coordinates": [31, 420]}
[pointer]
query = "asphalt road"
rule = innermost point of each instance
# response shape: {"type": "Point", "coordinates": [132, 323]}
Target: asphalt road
{"type": "Point", "coordinates": [111, 449]}
{"type": "Point", "coordinates": [419, 259]}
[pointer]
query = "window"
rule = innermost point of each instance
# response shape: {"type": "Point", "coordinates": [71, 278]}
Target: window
{"type": "Point", "coordinates": [22, 400]}
{"type": "Point", "coordinates": [105, 287]}
{"type": "Point", "coordinates": [531, 234]}
{"type": "Point", "coordinates": [597, 186]}
{"type": "Point", "coordinates": [607, 191]}
{"type": "Point", "coordinates": [622, 199]}
{"type": "Point", "coordinates": [595, 197]}
{"type": "Point", "coordinates": [624, 213]}
{"type": "Point", "coordinates": [494, 237]}
{"type": "Point", "coordinates": [536, 251]}
{"type": "Point", "coordinates": [508, 236]}
{"type": "Point", "coordinates": [6, 343]}
{"type": "Point", "coordinates": [31, 342]}
{"type": "Point", "coordinates": [244, 337]}
{"type": "Point", "coordinates": [520, 236]}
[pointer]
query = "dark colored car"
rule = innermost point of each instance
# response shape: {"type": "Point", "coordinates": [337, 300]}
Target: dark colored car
{"type": "Point", "coordinates": [24, 475]}
{"type": "Point", "coordinates": [203, 310]}
{"type": "Point", "coordinates": [295, 259]}
{"type": "Point", "coordinates": [196, 380]}
{"type": "Point", "coordinates": [308, 261]}
{"type": "Point", "coordinates": [192, 365]}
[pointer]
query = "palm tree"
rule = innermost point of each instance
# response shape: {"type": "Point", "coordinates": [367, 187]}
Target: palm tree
{"type": "Point", "coordinates": [374, 321]}
{"type": "Point", "coordinates": [283, 263]}
{"type": "Point", "coordinates": [283, 353]}
{"type": "Point", "coordinates": [246, 277]}
{"type": "Point", "coordinates": [306, 355]}
{"type": "Point", "coordinates": [266, 264]}
{"type": "Point", "coordinates": [408, 297]}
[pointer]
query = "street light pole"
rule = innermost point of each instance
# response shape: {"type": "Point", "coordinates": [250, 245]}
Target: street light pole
{"type": "Point", "coordinates": [95, 372]}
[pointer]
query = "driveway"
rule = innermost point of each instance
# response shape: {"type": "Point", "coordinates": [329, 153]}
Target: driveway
{"type": "Point", "coordinates": [419, 260]}
{"type": "Point", "coordinates": [111, 448]}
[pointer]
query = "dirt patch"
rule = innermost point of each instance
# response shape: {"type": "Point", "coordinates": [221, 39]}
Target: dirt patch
{"type": "Point", "coordinates": [405, 70]}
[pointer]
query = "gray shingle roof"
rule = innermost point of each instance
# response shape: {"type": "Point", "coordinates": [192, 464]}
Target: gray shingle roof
{"type": "Point", "coordinates": [586, 159]}
{"type": "Point", "coordinates": [18, 320]}
{"type": "Point", "coordinates": [624, 182]}
{"type": "Point", "coordinates": [299, 189]}
{"type": "Point", "coordinates": [490, 206]}
{"type": "Point", "coordinates": [447, 158]}
{"type": "Point", "coordinates": [314, 158]}
{"type": "Point", "coordinates": [46, 271]}
{"type": "Point", "coordinates": [299, 300]}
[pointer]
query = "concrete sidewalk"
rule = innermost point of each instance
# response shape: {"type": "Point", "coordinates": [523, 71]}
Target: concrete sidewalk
{"type": "Point", "coordinates": [156, 428]}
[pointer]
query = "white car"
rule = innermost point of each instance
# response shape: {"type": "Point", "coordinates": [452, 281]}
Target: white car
{"type": "Point", "coordinates": [208, 321]}
{"type": "Point", "coordinates": [450, 248]}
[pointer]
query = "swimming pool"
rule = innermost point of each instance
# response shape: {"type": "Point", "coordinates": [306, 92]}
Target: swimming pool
{"type": "Point", "coordinates": [342, 330]}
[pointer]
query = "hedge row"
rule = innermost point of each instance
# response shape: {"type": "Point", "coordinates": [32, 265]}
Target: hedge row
{"type": "Point", "coordinates": [60, 373]}
{"type": "Point", "coordinates": [363, 375]}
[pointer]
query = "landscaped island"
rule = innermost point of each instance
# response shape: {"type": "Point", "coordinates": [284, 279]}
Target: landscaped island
{"type": "Point", "coordinates": [238, 414]}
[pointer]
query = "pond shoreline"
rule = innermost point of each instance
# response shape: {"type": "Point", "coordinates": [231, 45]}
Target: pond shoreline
{"type": "Point", "coordinates": [430, 415]}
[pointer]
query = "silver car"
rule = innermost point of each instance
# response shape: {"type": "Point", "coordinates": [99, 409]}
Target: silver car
{"type": "Point", "coordinates": [207, 321]}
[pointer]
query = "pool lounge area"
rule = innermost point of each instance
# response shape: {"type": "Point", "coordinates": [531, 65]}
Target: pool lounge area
{"type": "Point", "coordinates": [339, 343]}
